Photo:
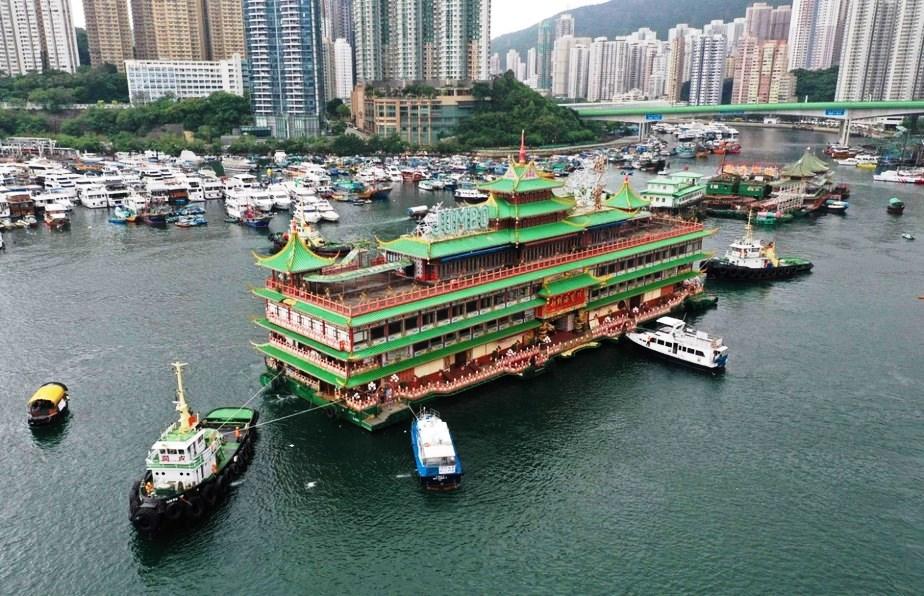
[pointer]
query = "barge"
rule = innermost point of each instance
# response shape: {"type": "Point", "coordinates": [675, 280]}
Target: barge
{"type": "Point", "coordinates": [473, 294]}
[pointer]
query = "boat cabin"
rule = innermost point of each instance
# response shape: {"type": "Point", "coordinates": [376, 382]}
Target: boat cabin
{"type": "Point", "coordinates": [47, 404]}
{"type": "Point", "coordinates": [182, 459]}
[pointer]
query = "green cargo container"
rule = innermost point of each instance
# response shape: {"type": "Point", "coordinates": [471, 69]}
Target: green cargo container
{"type": "Point", "coordinates": [722, 187]}
{"type": "Point", "coordinates": [757, 190]}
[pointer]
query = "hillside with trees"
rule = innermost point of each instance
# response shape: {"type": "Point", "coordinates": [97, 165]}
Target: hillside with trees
{"type": "Point", "coordinates": [621, 17]}
{"type": "Point", "coordinates": [817, 85]}
{"type": "Point", "coordinates": [54, 89]}
{"type": "Point", "coordinates": [507, 106]}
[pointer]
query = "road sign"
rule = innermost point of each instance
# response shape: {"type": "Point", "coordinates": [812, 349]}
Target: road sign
{"type": "Point", "coordinates": [653, 117]}
{"type": "Point", "coordinates": [835, 112]}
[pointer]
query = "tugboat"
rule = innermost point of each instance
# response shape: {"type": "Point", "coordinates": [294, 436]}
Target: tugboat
{"type": "Point", "coordinates": [749, 259]}
{"type": "Point", "coordinates": [48, 404]}
{"type": "Point", "coordinates": [438, 466]}
{"type": "Point", "coordinates": [677, 342]}
{"type": "Point", "coordinates": [191, 465]}
{"type": "Point", "coordinates": [896, 206]}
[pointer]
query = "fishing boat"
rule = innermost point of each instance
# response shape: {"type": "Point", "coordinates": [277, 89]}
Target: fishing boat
{"type": "Point", "coordinates": [191, 221]}
{"type": "Point", "coordinates": [896, 206]}
{"type": "Point", "coordinates": [674, 340]}
{"type": "Point", "coordinates": [438, 466]}
{"type": "Point", "coordinates": [48, 404]}
{"type": "Point", "coordinates": [836, 206]}
{"type": "Point", "coordinates": [56, 216]}
{"type": "Point", "coordinates": [750, 259]}
{"type": "Point", "coordinates": [122, 216]}
{"type": "Point", "coordinates": [255, 219]}
{"type": "Point", "coordinates": [191, 465]}
{"type": "Point", "coordinates": [908, 236]}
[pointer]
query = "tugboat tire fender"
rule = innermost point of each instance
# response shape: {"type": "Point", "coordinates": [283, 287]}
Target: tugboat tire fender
{"type": "Point", "coordinates": [194, 507]}
{"type": "Point", "coordinates": [174, 511]}
{"type": "Point", "coordinates": [210, 494]}
{"type": "Point", "coordinates": [134, 500]}
{"type": "Point", "coordinates": [147, 521]}
{"type": "Point", "coordinates": [223, 481]}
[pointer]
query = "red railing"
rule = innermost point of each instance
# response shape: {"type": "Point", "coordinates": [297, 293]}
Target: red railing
{"type": "Point", "coordinates": [679, 228]}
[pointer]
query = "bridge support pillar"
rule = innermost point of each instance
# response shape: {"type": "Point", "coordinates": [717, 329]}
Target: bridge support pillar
{"type": "Point", "coordinates": [642, 131]}
{"type": "Point", "coordinates": [845, 132]}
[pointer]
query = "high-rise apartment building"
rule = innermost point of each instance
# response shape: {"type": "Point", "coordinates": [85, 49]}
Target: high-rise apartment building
{"type": "Point", "coordinates": [680, 38]}
{"type": "Point", "coordinates": [337, 20]}
{"type": "Point", "coordinates": [561, 59]}
{"type": "Point", "coordinates": [544, 47]}
{"type": "Point", "coordinates": [170, 30]}
{"type": "Point", "coordinates": [225, 28]}
{"type": "Point", "coordinates": [564, 25]}
{"type": "Point", "coordinates": [404, 59]}
{"type": "Point", "coordinates": [882, 51]}
{"type": "Point", "coordinates": [462, 39]}
{"type": "Point", "coordinates": [37, 35]}
{"type": "Point", "coordinates": [59, 39]}
{"type": "Point", "coordinates": [578, 63]}
{"type": "Point", "coordinates": [283, 46]}
{"type": "Point", "coordinates": [370, 31]}
{"type": "Point", "coordinates": [20, 41]}
{"type": "Point", "coordinates": [109, 34]}
{"type": "Point", "coordinates": [343, 69]}
{"type": "Point", "coordinates": [512, 61]}
{"type": "Point", "coordinates": [603, 68]}
{"type": "Point", "coordinates": [762, 72]}
{"type": "Point", "coordinates": [766, 22]}
{"type": "Point", "coordinates": [813, 33]}
{"type": "Point", "coordinates": [707, 69]}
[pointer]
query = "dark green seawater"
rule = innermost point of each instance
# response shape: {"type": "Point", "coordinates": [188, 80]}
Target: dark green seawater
{"type": "Point", "coordinates": [799, 471]}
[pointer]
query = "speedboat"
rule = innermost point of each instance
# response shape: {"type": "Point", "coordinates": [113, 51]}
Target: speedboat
{"type": "Point", "coordinates": [48, 404]}
{"type": "Point", "coordinates": [191, 465]}
{"type": "Point", "coordinates": [674, 340]}
{"type": "Point", "coordinates": [438, 466]}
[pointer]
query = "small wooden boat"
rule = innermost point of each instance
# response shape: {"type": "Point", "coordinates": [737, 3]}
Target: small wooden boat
{"type": "Point", "coordinates": [48, 404]}
{"type": "Point", "coordinates": [896, 206]}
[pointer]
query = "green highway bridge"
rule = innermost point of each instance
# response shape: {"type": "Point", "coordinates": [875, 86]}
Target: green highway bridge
{"type": "Point", "coordinates": [846, 111]}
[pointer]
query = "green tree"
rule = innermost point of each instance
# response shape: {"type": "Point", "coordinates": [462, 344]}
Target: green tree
{"type": "Point", "coordinates": [816, 85]}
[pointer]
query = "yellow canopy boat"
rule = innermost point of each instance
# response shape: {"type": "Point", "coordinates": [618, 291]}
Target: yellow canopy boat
{"type": "Point", "coordinates": [47, 404]}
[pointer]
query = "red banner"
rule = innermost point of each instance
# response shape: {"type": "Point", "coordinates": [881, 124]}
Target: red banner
{"type": "Point", "coordinates": [555, 305]}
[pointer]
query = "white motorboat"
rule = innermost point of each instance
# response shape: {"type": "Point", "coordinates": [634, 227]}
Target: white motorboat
{"type": "Point", "coordinates": [281, 197]}
{"type": "Point", "coordinates": [306, 211]}
{"type": "Point", "coordinates": [674, 340]}
{"type": "Point", "coordinates": [327, 211]}
{"type": "Point", "coordinates": [261, 199]}
{"type": "Point", "coordinates": [93, 196]}
{"type": "Point", "coordinates": [902, 176]}
{"type": "Point", "coordinates": [469, 194]}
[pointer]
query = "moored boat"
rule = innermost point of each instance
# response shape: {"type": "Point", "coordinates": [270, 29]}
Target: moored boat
{"type": "Point", "coordinates": [49, 404]}
{"type": "Point", "coordinates": [674, 340]}
{"type": "Point", "coordinates": [836, 206]}
{"type": "Point", "coordinates": [896, 206]}
{"type": "Point", "coordinates": [749, 259]}
{"type": "Point", "coordinates": [438, 466]}
{"type": "Point", "coordinates": [56, 216]}
{"type": "Point", "coordinates": [191, 465]}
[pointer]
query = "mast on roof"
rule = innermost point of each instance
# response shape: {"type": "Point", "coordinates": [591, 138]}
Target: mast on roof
{"type": "Point", "coordinates": [523, 147]}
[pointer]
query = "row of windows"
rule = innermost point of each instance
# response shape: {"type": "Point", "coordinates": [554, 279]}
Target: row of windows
{"type": "Point", "coordinates": [651, 258]}
{"type": "Point", "coordinates": [684, 349]}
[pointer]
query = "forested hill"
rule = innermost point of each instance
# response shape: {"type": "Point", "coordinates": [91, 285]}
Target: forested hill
{"type": "Point", "coordinates": [621, 17]}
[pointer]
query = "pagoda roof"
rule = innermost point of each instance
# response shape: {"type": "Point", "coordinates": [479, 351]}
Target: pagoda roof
{"type": "Point", "coordinates": [602, 217]}
{"type": "Point", "coordinates": [808, 166]}
{"type": "Point", "coordinates": [501, 209]}
{"type": "Point", "coordinates": [626, 199]}
{"type": "Point", "coordinates": [294, 257]}
{"type": "Point", "coordinates": [520, 178]}
{"type": "Point", "coordinates": [568, 284]}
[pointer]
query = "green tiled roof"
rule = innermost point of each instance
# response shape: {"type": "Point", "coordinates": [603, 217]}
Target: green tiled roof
{"type": "Point", "coordinates": [294, 257]}
{"type": "Point", "coordinates": [627, 199]}
{"type": "Point", "coordinates": [545, 231]}
{"type": "Point", "coordinates": [520, 178]}
{"type": "Point", "coordinates": [567, 284]}
{"type": "Point", "coordinates": [358, 273]}
{"type": "Point", "coordinates": [459, 295]}
{"type": "Point", "coordinates": [807, 166]}
{"type": "Point", "coordinates": [596, 218]}
{"type": "Point", "coordinates": [501, 209]}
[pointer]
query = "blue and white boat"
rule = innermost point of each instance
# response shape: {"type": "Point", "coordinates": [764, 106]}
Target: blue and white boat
{"type": "Point", "coordinates": [438, 465]}
{"type": "Point", "coordinates": [677, 342]}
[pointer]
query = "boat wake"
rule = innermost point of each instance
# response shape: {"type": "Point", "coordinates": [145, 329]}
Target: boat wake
{"type": "Point", "coordinates": [403, 475]}
{"type": "Point", "coordinates": [237, 483]}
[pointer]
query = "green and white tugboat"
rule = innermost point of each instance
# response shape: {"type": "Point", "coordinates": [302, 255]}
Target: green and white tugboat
{"type": "Point", "coordinates": [191, 466]}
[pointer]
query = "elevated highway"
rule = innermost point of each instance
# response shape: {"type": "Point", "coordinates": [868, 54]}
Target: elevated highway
{"type": "Point", "coordinates": [846, 111]}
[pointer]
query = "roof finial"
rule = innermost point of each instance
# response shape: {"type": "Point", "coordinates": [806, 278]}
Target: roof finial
{"type": "Point", "coordinates": [523, 147]}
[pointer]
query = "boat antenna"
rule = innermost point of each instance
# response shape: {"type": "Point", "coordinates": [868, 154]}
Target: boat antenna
{"type": "Point", "coordinates": [747, 226]}
{"type": "Point", "coordinates": [181, 406]}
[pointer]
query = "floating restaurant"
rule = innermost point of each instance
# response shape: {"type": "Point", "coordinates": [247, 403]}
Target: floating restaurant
{"type": "Point", "coordinates": [473, 294]}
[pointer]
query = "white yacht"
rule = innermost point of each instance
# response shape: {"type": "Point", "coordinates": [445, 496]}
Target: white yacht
{"type": "Point", "coordinates": [306, 211]}
{"type": "Point", "coordinates": [469, 193]}
{"type": "Point", "coordinates": [117, 192]}
{"type": "Point", "coordinates": [261, 199]}
{"type": "Point", "coordinates": [674, 340]}
{"type": "Point", "coordinates": [43, 200]}
{"type": "Point", "coordinates": [212, 188]}
{"type": "Point", "coordinates": [326, 210]}
{"type": "Point", "coordinates": [92, 195]}
{"type": "Point", "coordinates": [281, 198]}
{"type": "Point", "coordinates": [194, 189]}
